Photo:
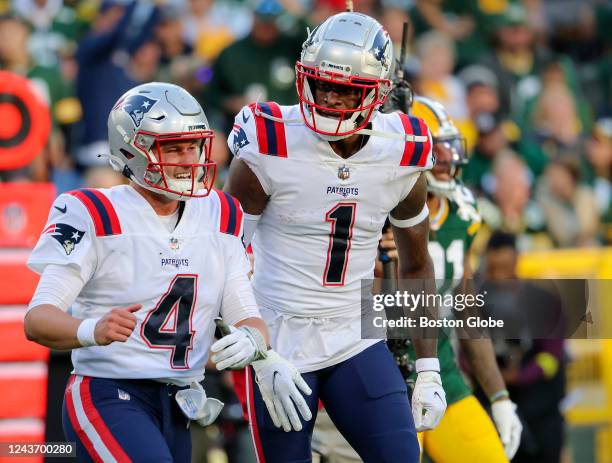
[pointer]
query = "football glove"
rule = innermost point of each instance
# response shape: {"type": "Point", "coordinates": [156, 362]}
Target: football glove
{"type": "Point", "coordinates": [280, 384]}
{"type": "Point", "coordinates": [400, 98]}
{"type": "Point", "coordinates": [238, 348]}
{"type": "Point", "coordinates": [428, 400]}
{"type": "Point", "coordinates": [508, 425]}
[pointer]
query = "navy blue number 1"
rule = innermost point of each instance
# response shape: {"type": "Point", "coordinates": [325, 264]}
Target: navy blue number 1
{"type": "Point", "coordinates": [168, 325]}
{"type": "Point", "coordinates": [342, 218]}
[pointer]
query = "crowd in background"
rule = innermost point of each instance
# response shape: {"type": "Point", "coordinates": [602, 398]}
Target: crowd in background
{"type": "Point", "coordinates": [528, 82]}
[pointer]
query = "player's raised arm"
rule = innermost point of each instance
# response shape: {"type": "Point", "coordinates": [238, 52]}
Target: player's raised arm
{"type": "Point", "coordinates": [410, 224]}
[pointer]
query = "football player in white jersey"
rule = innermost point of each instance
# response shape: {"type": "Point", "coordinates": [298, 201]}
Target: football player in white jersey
{"type": "Point", "coordinates": [132, 278]}
{"type": "Point", "coordinates": [317, 181]}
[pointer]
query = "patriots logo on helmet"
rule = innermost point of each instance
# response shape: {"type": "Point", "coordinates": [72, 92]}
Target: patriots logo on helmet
{"type": "Point", "coordinates": [65, 235]}
{"type": "Point", "coordinates": [379, 47]}
{"type": "Point", "coordinates": [240, 138]}
{"type": "Point", "coordinates": [137, 106]}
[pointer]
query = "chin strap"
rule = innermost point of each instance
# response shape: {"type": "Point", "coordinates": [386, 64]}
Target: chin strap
{"type": "Point", "coordinates": [259, 113]}
{"type": "Point", "coordinates": [375, 133]}
{"type": "Point", "coordinates": [394, 136]}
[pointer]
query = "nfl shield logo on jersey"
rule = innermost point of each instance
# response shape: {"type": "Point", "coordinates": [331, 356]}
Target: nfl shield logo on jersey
{"type": "Point", "coordinates": [343, 173]}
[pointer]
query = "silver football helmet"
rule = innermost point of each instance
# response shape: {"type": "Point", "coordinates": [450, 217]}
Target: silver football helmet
{"type": "Point", "coordinates": [149, 115]}
{"type": "Point", "coordinates": [350, 52]}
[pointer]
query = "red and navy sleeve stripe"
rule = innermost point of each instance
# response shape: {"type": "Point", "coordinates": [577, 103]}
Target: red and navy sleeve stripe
{"type": "Point", "coordinates": [101, 210]}
{"type": "Point", "coordinates": [415, 153]}
{"type": "Point", "coordinates": [231, 214]}
{"type": "Point", "coordinates": [270, 134]}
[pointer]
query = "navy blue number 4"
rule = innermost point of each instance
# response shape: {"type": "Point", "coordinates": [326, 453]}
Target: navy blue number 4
{"type": "Point", "coordinates": [168, 325]}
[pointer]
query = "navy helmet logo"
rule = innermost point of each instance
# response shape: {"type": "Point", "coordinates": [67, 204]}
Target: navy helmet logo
{"type": "Point", "coordinates": [65, 235]}
{"type": "Point", "coordinates": [379, 47]}
{"type": "Point", "coordinates": [137, 106]}
{"type": "Point", "coordinates": [240, 138]}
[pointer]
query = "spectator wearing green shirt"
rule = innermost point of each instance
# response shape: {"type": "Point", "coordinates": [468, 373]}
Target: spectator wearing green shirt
{"type": "Point", "coordinates": [260, 66]}
{"type": "Point", "coordinates": [15, 57]}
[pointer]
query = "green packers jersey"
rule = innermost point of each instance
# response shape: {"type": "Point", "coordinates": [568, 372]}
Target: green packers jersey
{"type": "Point", "coordinates": [452, 230]}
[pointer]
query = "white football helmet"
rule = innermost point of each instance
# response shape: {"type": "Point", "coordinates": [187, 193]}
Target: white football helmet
{"type": "Point", "coordinates": [351, 50]}
{"type": "Point", "coordinates": [148, 115]}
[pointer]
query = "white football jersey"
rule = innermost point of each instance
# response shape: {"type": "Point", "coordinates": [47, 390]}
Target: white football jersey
{"type": "Point", "coordinates": [125, 256]}
{"type": "Point", "coordinates": [318, 236]}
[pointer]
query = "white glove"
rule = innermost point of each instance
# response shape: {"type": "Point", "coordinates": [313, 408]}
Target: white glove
{"type": "Point", "coordinates": [196, 406]}
{"type": "Point", "coordinates": [508, 425]}
{"type": "Point", "coordinates": [239, 348]}
{"type": "Point", "coordinates": [428, 400]}
{"type": "Point", "coordinates": [277, 380]}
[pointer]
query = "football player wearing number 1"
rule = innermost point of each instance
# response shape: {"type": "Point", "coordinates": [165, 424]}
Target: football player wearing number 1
{"type": "Point", "coordinates": [465, 433]}
{"type": "Point", "coordinates": [317, 181]}
{"type": "Point", "coordinates": [144, 273]}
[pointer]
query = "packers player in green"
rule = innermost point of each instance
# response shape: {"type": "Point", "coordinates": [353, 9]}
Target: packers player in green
{"type": "Point", "coordinates": [465, 434]}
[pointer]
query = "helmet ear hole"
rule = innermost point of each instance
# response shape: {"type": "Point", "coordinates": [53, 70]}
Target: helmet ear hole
{"type": "Point", "coordinates": [126, 153]}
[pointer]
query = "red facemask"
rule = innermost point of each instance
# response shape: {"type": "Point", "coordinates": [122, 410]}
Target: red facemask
{"type": "Point", "coordinates": [202, 173]}
{"type": "Point", "coordinates": [325, 120]}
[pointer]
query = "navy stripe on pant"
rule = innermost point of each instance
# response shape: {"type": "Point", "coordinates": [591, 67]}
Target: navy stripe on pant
{"type": "Point", "coordinates": [366, 398]}
{"type": "Point", "coordinates": [125, 420]}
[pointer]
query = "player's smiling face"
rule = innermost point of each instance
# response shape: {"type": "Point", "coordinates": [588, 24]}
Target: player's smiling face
{"type": "Point", "coordinates": [336, 96]}
{"type": "Point", "coordinates": [182, 153]}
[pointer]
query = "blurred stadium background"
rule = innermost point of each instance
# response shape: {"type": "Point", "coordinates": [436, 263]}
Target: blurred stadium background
{"type": "Point", "coordinates": [529, 82]}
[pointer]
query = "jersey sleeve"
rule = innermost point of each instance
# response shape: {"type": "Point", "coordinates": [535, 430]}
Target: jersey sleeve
{"type": "Point", "coordinates": [414, 156]}
{"type": "Point", "coordinates": [238, 301]}
{"type": "Point", "coordinates": [66, 239]}
{"type": "Point", "coordinates": [238, 262]}
{"type": "Point", "coordinates": [430, 158]}
{"type": "Point", "coordinates": [417, 154]}
{"type": "Point", "coordinates": [244, 143]}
